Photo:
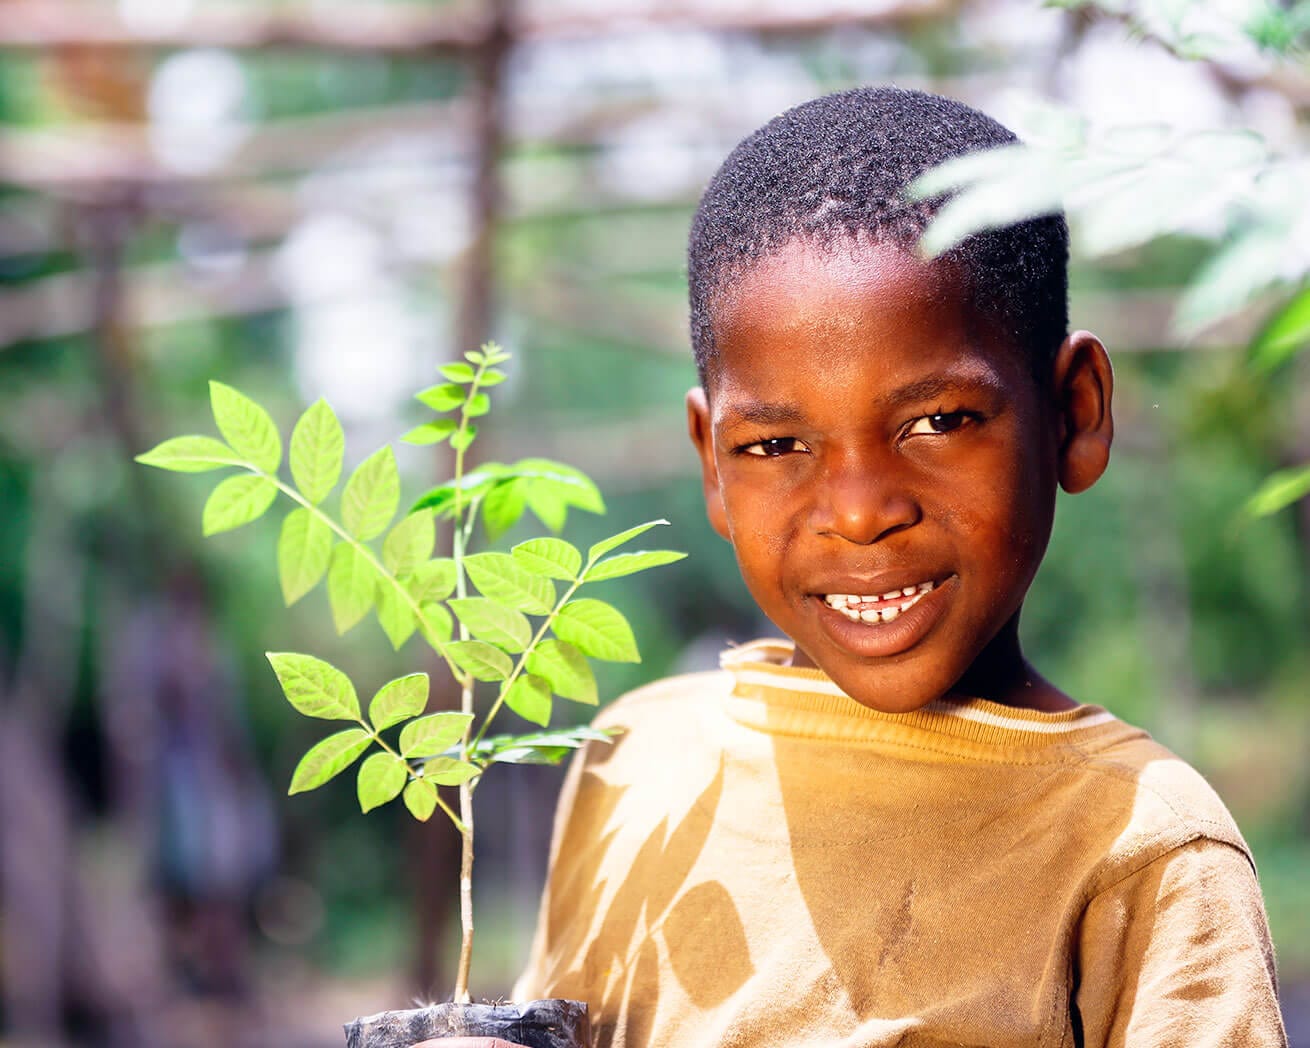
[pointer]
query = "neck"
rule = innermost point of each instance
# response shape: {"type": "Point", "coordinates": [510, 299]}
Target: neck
{"type": "Point", "coordinates": [1001, 674]}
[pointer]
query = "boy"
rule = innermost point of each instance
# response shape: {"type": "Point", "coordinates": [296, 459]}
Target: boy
{"type": "Point", "coordinates": [890, 829]}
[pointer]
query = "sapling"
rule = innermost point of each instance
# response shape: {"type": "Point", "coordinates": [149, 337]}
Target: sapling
{"type": "Point", "coordinates": [528, 633]}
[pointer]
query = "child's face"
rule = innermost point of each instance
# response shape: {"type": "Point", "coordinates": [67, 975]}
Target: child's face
{"type": "Point", "coordinates": [866, 435]}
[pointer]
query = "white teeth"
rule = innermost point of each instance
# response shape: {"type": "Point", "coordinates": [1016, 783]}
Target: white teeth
{"type": "Point", "coordinates": [869, 599]}
{"type": "Point", "coordinates": [924, 587]}
{"type": "Point", "coordinates": [870, 616]}
{"type": "Point", "coordinates": [841, 602]}
{"type": "Point", "coordinates": [892, 595]}
{"type": "Point", "coordinates": [909, 591]}
{"type": "Point", "coordinates": [890, 613]}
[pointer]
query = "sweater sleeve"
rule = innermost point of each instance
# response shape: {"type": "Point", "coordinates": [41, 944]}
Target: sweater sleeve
{"type": "Point", "coordinates": [1178, 955]}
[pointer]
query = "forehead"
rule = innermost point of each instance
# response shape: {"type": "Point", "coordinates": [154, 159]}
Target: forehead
{"type": "Point", "coordinates": [852, 312]}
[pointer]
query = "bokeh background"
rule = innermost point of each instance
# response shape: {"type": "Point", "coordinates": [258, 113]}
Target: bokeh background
{"type": "Point", "coordinates": [321, 198]}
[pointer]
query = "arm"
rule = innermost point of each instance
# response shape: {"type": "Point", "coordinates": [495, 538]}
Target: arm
{"type": "Point", "coordinates": [1178, 955]}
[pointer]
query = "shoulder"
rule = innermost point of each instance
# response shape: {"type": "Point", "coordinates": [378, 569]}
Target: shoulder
{"type": "Point", "coordinates": [1152, 800]}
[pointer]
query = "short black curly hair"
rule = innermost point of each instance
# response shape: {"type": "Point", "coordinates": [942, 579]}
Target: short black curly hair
{"type": "Point", "coordinates": [837, 167]}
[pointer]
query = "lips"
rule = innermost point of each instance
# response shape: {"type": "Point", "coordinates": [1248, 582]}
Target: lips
{"type": "Point", "coordinates": [889, 622]}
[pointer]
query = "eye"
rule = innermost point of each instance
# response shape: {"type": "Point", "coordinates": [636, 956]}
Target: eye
{"type": "Point", "coordinates": [772, 447]}
{"type": "Point", "coordinates": [939, 422]}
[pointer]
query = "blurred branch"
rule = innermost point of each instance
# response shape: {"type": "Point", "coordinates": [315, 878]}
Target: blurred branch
{"type": "Point", "coordinates": [404, 30]}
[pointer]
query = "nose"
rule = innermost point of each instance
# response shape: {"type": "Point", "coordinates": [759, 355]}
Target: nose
{"type": "Point", "coordinates": [863, 501]}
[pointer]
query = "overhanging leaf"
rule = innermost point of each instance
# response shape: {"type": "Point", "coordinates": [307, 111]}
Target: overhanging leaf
{"type": "Point", "coordinates": [304, 549]}
{"type": "Point", "coordinates": [432, 580]}
{"type": "Point", "coordinates": [444, 397]}
{"type": "Point", "coordinates": [395, 615]}
{"type": "Point", "coordinates": [615, 541]}
{"type": "Point", "coordinates": [457, 372]}
{"type": "Point", "coordinates": [398, 700]}
{"type": "Point", "coordinates": [371, 496]}
{"type": "Point", "coordinates": [1284, 336]}
{"type": "Point", "coordinates": [317, 447]}
{"type": "Point", "coordinates": [329, 758]}
{"type": "Point", "coordinates": [503, 507]}
{"type": "Point", "coordinates": [447, 771]}
{"type": "Point", "coordinates": [436, 625]}
{"type": "Point", "coordinates": [596, 629]}
{"type": "Point", "coordinates": [191, 454]}
{"type": "Point", "coordinates": [1279, 491]}
{"type": "Point", "coordinates": [430, 432]}
{"type": "Point", "coordinates": [381, 778]}
{"type": "Point", "coordinates": [314, 687]}
{"type": "Point", "coordinates": [480, 659]}
{"type": "Point", "coordinates": [246, 426]}
{"type": "Point", "coordinates": [352, 584]}
{"type": "Point", "coordinates": [237, 501]}
{"type": "Point", "coordinates": [629, 563]}
{"type": "Point", "coordinates": [565, 669]}
{"type": "Point", "coordinates": [409, 543]}
{"type": "Point", "coordinates": [529, 697]}
{"type": "Point", "coordinates": [421, 799]}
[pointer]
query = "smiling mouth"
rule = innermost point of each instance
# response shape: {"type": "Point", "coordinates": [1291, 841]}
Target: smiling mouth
{"type": "Point", "coordinates": [874, 608]}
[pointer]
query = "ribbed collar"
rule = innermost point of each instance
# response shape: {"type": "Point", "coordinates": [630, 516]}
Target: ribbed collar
{"type": "Point", "coordinates": [770, 696]}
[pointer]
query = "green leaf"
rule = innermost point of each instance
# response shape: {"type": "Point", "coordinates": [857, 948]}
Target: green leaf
{"type": "Point", "coordinates": [237, 501]}
{"type": "Point", "coordinates": [328, 758]}
{"type": "Point", "coordinates": [436, 625]}
{"type": "Point", "coordinates": [352, 584]}
{"type": "Point", "coordinates": [444, 397]}
{"type": "Point", "coordinates": [371, 496]}
{"type": "Point", "coordinates": [433, 734]}
{"type": "Point", "coordinates": [479, 404]}
{"type": "Point", "coordinates": [314, 687]}
{"type": "Point", "coordinates": [462, 438]}
{"type": "Point", "coordinates": [596, 629]}
{"type": "Point", "coordinates": [447, 771]}
{"type": "Point", "coordinates": [630, 563]}
{"type": "Point", "coordinates": [503, 507]}
{"type": "Point", "coordinates": [501, 577]}
{"type": "Point", "coordinates": [409, 543]}
{"type": "Point", "coordinates": [431, 580]}
{"type": "Point", "coordinates": [543, 747]}
{"type": "Point", "coordinates": [614, 541]}
{"type": "Point", "coordinates": [457, 372]}
{"type": "Point", "coordinates": [246, 427]}
{"type": "Point", "coordinates": [529, 697]}
{"type": "Point", "coordinates": [398, 700]}
{"type": "Point", "coordinates": [441, 499]}
{"type": "Point", "coordinates": [566, 670]}
{"type": "Point", "coordinates": [551, 558]}
{"type": "Point", "coordinates": [381, 778]}
{"type": "Point", "coordinates": [420, 798]}
{"type": "Point", "coordinates": [492, 377]}
{"type": "Point", "coordinates": [394, 614]}
{"type": "Point", "coordinates": [1284, 336]}
{"type": "Point", "coordinates": [493, 353]}
{"type": "Point", "coordinates": [317, 448]}
{"type": "Point", "coordinates": [304, 549]}
{"type": "Point", "coordinates": [431, 432]}
{"type": "Point", "coordinates": [480, 659]}
{"type": "Point", "coordinates": [504, 627]}
{"type": "Point", "coordinates": [191, 455]}
{"type": "Point", "coordinates": [1279, 491]}
{"type": "Point", "coordinates": [475, 356]}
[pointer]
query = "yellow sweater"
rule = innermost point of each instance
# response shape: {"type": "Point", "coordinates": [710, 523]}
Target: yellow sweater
{"type": "Point", "coordinates": [760, 861]}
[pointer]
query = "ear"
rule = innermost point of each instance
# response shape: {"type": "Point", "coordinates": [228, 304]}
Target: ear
{"type": "Point", "coordinates": [1083, 383]}
{"type": "Point", "coordinates": [702, 437]}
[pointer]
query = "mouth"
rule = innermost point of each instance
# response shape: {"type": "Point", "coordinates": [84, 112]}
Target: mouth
{"type": "Point", "coordinates": [878, 625]}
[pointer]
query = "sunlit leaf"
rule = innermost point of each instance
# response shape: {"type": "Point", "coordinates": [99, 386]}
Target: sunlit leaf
{"type": "Point", "coordinates": [237, 501]}
{"type": "Point", "coordinates": [352, 585]}
{"type": "Point", "coordinates": [1231, 278]}
{"type": "Point", "coordinates": [630, 563]}
{"type": "Point", "coordinates": [447, 771]}
{"type": "Point", "coordinates": [487, 620]}
{"type": "Point", "coordinates": [444, 397]}
{"type": "Point", "coordinates": [436, 625]}
{"type": "Point", "coordinates": [492, 377]}
{"type": "Point", "coordinates": [328, 758]}
{"type": "Point", "coordinates": [480, 659]}
{"type": "Point", "coordinates": [381, 778]}
{"type": "Point", "coordinates": [549, 557]}
{"type": "Point", "coordinates": [409, 543]}
{"type": "Point", "coordinates": [1284, 336]}
{"type": "Point", "coordinates": [548, 747]}
{"type": "Point", "coordinates": [433, 734]}
{"type": "Point", "coordinates": [317, 447]}
{"type": "Point", "coordinates": [529, 697]}
{"type": "Point", "coordinates": [314, 687]}
{"type": "Point", "coordinates": [501, 577]}
{"type": "Point", "coordinates": [431, 432]}
{"type": "Point", "coordinates": [596, 629]}
{"type": "Point", "coordinates": [503, 507]}
{"type": "Point", "coordinates": [432, 580]}
{"type": "Point", "coordinates": [565, 669]}
{"type": "Point", "coordinates": [191, 455]}
{"type": "Point", "coordinates": [398, 700]}
{"type": "Point", "coordinates": [304, 549]}
{"type": "Point", "coordinates": [615, 541]}
{"type": "Point", "coordinates": [1279, 491]}
{"type": "Point", "coordinates": [462, 438]}
{"type": "Point", "coordinates": [395, 615]}
{"type": "Point", "coordinates": [420, 798]}
{"type": "Point", "coordinates": [246, 426]}
{"type": "Point", "coordinates": [371, 496]}
{"type": "Point", "coordinates": [457, 372]}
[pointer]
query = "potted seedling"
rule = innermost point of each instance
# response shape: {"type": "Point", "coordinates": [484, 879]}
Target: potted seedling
{"type": "Point", "coordinates": [514, 620]}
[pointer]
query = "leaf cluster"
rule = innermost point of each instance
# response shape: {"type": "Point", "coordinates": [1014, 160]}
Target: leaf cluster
{"type": "Point", "coordinates": [512, 619]}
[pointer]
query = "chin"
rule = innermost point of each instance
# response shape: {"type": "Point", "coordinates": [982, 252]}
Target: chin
{"type": "Point", "coordinates": [887, 695]}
